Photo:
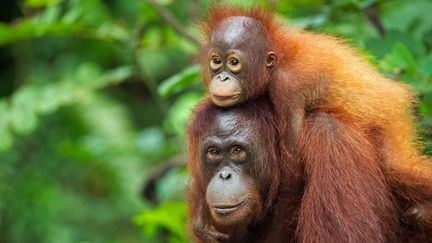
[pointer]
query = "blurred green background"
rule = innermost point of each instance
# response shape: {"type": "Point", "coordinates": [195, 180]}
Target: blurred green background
{"type": "Point", "coordinates": [95, 95]}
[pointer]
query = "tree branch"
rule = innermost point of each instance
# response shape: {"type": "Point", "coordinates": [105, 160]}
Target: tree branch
{"type": "Point", "coordinates": [373, 17]}
{"type": "Point", "coordinates": [172, 21]}
{"type": "Point", "coordinates": [149, 188]}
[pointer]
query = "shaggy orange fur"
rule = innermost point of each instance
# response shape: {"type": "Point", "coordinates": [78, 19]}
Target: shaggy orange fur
{"type": "Point", "coordinates": [338, 193]}
{"type": "Point", "coordinates": [320, 72]}
{"type": "Point", "coordinates": [315, 70]}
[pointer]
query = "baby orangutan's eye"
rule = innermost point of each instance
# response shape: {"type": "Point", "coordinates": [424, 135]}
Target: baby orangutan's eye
{"type": "Point", "coordinates": [217, 61]}
{"type": "Point", "coordinates": [233, 62]}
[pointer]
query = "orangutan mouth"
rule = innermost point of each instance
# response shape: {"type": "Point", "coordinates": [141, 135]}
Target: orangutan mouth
{"type": "Point", "coordinates": [224, 209]}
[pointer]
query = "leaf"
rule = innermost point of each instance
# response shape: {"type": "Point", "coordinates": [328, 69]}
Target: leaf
{"type": "Point", "coordinates": [32, 28]}
{"type": "Point", "coordinates": [49, 15]}
{"type": "Point", "coordinates": [399, 59]}
{"type": "Point", "coordinates": [47, 24]}
{"type": "Point", "coordinates": [403, 57]}
{"type": "Point", "coordinates": [22, 115]}
{"type": "Point", "coordinates": [151, 141]}
{"type": "Point", "coordinates": [179, 81]}
{"type": "Point", "coordinates": [363, 4]}
{"type": "Point", "coordinates": [87, 74]}
{"type": "Point", "coordinates": [423, 88]}
{"type": "Point", "coordinates": [172, 185]}
{"type": "Point", "coordinates": [180, 112]}
{"type": "Point", "coordinates": [48, 101]}
{"type": "Point", "coordinates": [41, 3]}
{"type": "Point", "coordinates": [164, 2]}
{"type": "Point", "coordinates": [242, 3]}
{"type": "Point", "coordinates": [170, 216]}
{"type": "Point", "coordinates": [410, 17]}
{"type": "Point", "coordinates": [117, 75]}
{"type": "Point", "coordinates": [112, 32]}
{"type": "Point", "coordinates": [5, 135]}
{"type": "Point", "coordinates": [157, 64]}
{"type": "Point", "coordinates": [382, 46]}
{"type": "Point", "coordinates": [425, 66]}
{"type": "Point", "coordinates": [152, 38]}
{"type": "Point", "coordinates": [30, 101]}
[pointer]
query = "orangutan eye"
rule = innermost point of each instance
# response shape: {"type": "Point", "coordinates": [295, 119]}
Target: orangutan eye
{"type": "Point", "coordinates": [217, 61]}
{"type": "Point", "coordinates": [238, 153]}
{"type": "Point", "coordinates": [213, 154]}
{"type": "Point", "coordinates": [233, 62]}
{"type": "Point", "coordinates": [236, 150]}
{"type": "Point", "coordinates": [213, 151]}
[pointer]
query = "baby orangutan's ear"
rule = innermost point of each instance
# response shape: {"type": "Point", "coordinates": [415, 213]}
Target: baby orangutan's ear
{"type": "Point", "coordinates": [420, 214]}
{"type": "Point", "coordinates": [271, 59]}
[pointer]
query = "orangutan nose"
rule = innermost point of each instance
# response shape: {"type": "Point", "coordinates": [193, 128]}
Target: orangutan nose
{"type": "Point", "coordinates": [225, 175]}
{"type": "Point", "coordinates": [223, 77]}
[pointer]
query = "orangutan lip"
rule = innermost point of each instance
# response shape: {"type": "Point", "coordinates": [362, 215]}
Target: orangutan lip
{"type": "Point", "coordinates": [221, 97]}
{"type": "Point", "coordinates": [228, 208]}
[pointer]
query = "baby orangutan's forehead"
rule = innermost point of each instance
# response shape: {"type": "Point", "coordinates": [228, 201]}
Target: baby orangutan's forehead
{"type": "Point", "coordinates": [237, 31]}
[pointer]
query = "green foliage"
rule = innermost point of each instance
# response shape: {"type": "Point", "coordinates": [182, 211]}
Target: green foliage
{"type": "Point", "coordinates": [179, 82]}
{"type": "Point", "coordinates": [169, 216]}
{"type": "Point", "coordinates": [29, 101]}
{"type": "Point", "coordinates": [95, 97]}
{"type": "Point", "coordinates": [180, 111]}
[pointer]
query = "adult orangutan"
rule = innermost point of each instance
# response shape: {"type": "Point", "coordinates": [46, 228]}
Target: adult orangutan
{"type": "Point", "coordinates": [247, 53]}
{"type": "Point", "coordinates": [245, 187]}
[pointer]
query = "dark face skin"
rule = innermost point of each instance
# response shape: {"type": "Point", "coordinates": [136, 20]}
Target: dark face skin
{"type": "Point", "coordinates": [239, 53]}
{"type": "Point", "coordinates": [230, 159]}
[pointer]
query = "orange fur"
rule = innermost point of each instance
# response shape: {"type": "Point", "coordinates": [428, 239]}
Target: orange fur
{"type": "Point", "coordinates": [338, 193]}
{"type": "Point", "coordinates": [346, 195]}
{"type": "Point", "coordinates": [316, 70]}
{"type": "Point", "coordinates": [261, 113]}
